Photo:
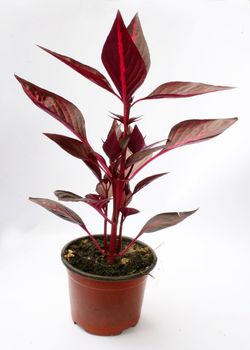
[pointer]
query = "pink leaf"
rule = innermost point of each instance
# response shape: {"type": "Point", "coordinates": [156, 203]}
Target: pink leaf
{"type": "Point", "coordinates": [104, 189]}
{"type": "Point", "coordinates": [136, 33]}
{"type": "Point", "coordinates": [164, 220]}
{"type": "Point", "coordinates": [58, 107]}
{"type": "Point", "coordinates": [67, 196]}
{"type": "Point", "coordinates": [195, 130]}
{"type": "Point", "coordinates": [138, 156]}
{"type": "Point", "coordinates": [79, 150]}
{"type": "Point", "coordinates": [59, 210]}
{"type": "Point", "coordinates": [88, 72]}
{"type": "Point", "coordinates": [147, 181]}
{"type": "Point", "coordinates": [178, 89]}
{"type": "Point", "coordinates": [122, 60]}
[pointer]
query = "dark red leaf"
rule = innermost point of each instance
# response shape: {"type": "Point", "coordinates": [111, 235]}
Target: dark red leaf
{"type": "Point", "coordinates": [147, 181]}
{"type": "Point", "coordinates": [79, 150]}
{"type": "Point", "coordinates": [138, 156]}
{"type": "Point", "coordinates": [196, 130]}
{"type": "Point", "coordinates": [178, 89]}
{"type": "Point", "coordinates": [164, 220]}
{"type": "Point", "coordinates": [128, 211]}
{"type": "Point", "coordinates": [88, 72]}
{"type": "Point", "coordinates": [112, 146]}
{"type": "Point", "coordinates": [136, 33]}
{"type": "Point", "coordinates": [136, 140]}
{"type": "Point", "coordinates": [122, 60]}
{"type": "Point", "coordinates": [59, 210]}
{"type": "Point", "coordinates": [58, 107]}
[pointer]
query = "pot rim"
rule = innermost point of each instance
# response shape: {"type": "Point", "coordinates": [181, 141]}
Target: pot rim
{"type": "Point", "coordinates": [108, 278]}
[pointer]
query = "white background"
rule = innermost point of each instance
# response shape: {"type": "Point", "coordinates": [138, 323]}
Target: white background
{"type": "Point", "coordinates": [200, 295]}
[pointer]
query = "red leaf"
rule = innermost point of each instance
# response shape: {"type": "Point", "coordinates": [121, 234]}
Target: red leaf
{"type": "Point", "coordinates": [128, 211]}
{"type": "Point", "coordinates": [136, 140]}
{"type": "Point", "coordinates": [122, 60]}
{"type": "Point", "coordinates": [178, 89]}
{"type": "Point", "coordinates": [58, 107]}
{"type": "Point", "coordinates": [59, 210]}
{"type": "Point", "coordinates": [93, 200]}
{"type": "Point", "coordinates": [146, 181]}
{"type": "Point", "coordinates": [136, 33]}
{"type": "Point", "coordinates": [164, 220]}
{"type": "Point", "coordinates": [138, 156]}
{"type": "Point", "coordinates": [155, 143]}
{"type": "Point", "coordinates": [79, 150]}
{"type": "Point", "coordinates": [88, 72]}
{"type": "Point", "coordinates": [96, 202]}
{"type": "Point", "coordinates": [112, 146]}
{"type": "Point", "coordinates": [196, 130]}
{"type": "Point", "coordinates": [93, 196]}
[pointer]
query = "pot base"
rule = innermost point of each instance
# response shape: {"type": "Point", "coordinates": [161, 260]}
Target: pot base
{"type": "Point", "coordinates": [105, 333]}
{"type": "Point", "coordinates": [105, 307]}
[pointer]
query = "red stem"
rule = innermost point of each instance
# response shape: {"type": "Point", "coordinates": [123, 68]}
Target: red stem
{"type": "Point", "coordinates": [118, 191]}
{"type": "Point", "coordinates": [94, 240]}
{"type": "Point", "coordinates": [120, 234]}
{"type": "Point", "coordinates": [130, 244]}
{"type": "Point", "coordinates": [105, 228]}
{"type": "Point", "coordinates": [103, 166]}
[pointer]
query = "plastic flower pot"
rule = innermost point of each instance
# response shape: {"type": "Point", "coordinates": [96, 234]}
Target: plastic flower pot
{"type": "Point", "coordinates": [106, 305]}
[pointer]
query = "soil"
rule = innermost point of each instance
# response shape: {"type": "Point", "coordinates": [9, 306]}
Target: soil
{"type": "Point", "coordinates": [83, 255]}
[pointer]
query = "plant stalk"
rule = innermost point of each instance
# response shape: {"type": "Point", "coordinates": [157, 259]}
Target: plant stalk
{"type": "Point", "coordinates": [118, 185]}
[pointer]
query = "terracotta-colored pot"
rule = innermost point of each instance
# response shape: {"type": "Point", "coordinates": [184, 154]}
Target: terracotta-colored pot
{"type": "Point", "coordinates": [105, 305]}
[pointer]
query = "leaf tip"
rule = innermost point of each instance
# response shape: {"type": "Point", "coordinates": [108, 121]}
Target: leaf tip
{"type": "Point", "coordinates": [136, 17]}
{"type": "Point", "coordinates": [44, 49]}
{"type": "Point", "coordinates": [193, 211]}
{"type": "Point", "coordinates": [18, 78]}
{"type": "Point", "coordinates": [48, 135]}
{"type": "Point", "coordinates": [41, 47]}
{"type": "Point", "coordinates": [22, 81]}
{"type": "Point", "coordinates": [229, 87]}
{"type": "Point", "coordinates": [118, 14]}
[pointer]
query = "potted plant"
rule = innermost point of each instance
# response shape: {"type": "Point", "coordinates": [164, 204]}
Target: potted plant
{"type": "Point", "coordinates": [108, 271]}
